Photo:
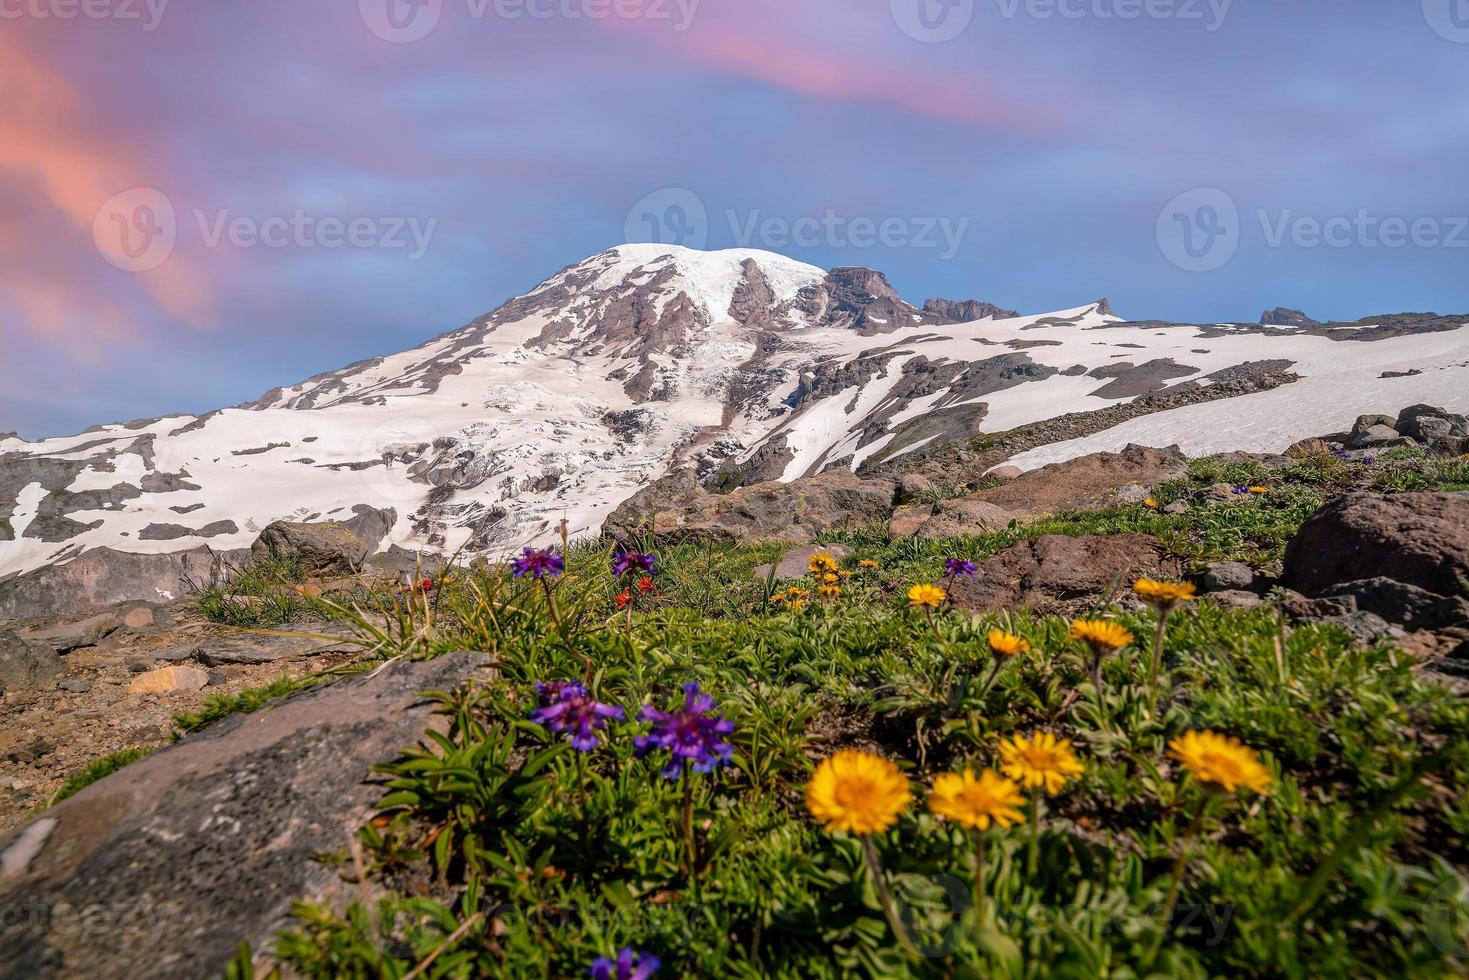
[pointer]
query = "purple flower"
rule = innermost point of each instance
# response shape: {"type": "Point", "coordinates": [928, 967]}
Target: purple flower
{"type": "Point", "coordinates": [958, 566]}
{"type": "Point", "coordinates": [567, 707]}
{"type": "Point", "coordinates": [628, 561]}
{"type": "Point", "coordinates": [538, 563]}
{"type": "Point", "coordinates": [690, 733]}
{"type": "Point", "coordinates": [625, 967]}
{"type": "Point", "coordinates": [1241, 489]}
{"type": "Point", "coordinates": [1369, 460]}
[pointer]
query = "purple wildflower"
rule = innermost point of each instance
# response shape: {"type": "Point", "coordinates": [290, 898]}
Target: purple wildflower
{"type": "Point", "coordinates": [538, 563]}
{"type": "Point", "coordinates": [958, 566]}
{"type": "Point", "coordinates": [1369, 460]}
{"type": "Point", "coordinates": [628, 561]}
{"type": "Point", "coordinates": [567, 707]}
{"type": "Point", "coordinates": [625, 967]}
{"type": "Point", "coordinates": [690, 733]}
{"type": "Point", "coordinates": [1241, 489]}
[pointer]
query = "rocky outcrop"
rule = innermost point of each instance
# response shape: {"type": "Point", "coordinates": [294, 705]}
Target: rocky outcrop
{"type": "Point", "coordinates": [1087, 482]}
{"type": "Point", "coordinates": [103, 576]}
{"type": "Point", "coordinates": [1417, 539]}
{"type": "Point", "coordinates": [948, 518]}
{"type": "Point", "coordinates": [180, 856]}
{"type": "Point", "coordinates": [1283, 316]}
{"type": "Point", "coordinates": [25, 665]}
{"type": "Point", "coordinates": [1058, 573]}
{"type": "Point", "coordinates": [322, 549]}
{"type": "Point", "coordinates": [965, 311]}
{"type": "Point", "coordinates": [677, 508]}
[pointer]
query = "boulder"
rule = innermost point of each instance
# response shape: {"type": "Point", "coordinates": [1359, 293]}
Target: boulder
{"type": "Point", "coordinates": [966, 515]}
{"type": "Point", "coordinates": [24, 666]}
{"type": "Point", "coordinates": [103, 577]}
{"type": "Point", "coordinates": [911, 486]}
{"type": "Point", "coordinates": [168, 680]}
{"type": "Point", "coordinates": [1307, 448]}
{"type": "Point", "coordinates": [1005, 471]}
{"type": "Point", "coordinates": [1060, 573]}
{"type": "Point", "coordinates": [322, 549]}
{"type": "Point", "coordinates": [1420, 539]}
{"type": "Point", "coordinates": [1087, 482]}
{"type": "Point", "coordinates": [908, 519]}
{"type": "Point", "coordinates": [796, 562]}
{"type": "Point", "coordinates": [677, 508]}
{"type": "Point", "coordinates": [1236, 599]}
{"type": "Point", "coordinates": [68, 636]}
{"type": "Point", "coordinates": [178, 857]}
{"type": "Point", "coordinates": [1363, 437]}
{"type": "Point", "coordinates": [1226, 576]}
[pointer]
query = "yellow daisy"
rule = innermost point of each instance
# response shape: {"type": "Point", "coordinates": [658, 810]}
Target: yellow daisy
{"type": "Point", "coordinates": [828, 591]}
{"type": "Point", "coordinates": [1150, 502]}
{"type": "Point", "coordinates": [820, 562]}
{"type": "Point", "coordinates": [857, 792]}
{"type": "Point", "coordinates": [1163, 595]}
{"type": "Point", "coordinates": [1040, 761]}
{"type": "Point", "coordinates": [976, 803]}
{"type": "Point", "coordinates": [1003, 644]}
{"type": "Point", "coordinates": [796, 605]}
{"type": "Point", "coordinates": [924, 594]}
{"type": "Point", "coordinates": [1103, 636]}
{"type": "Point", "coordinates": [831, 578]}
{"type": "Point", "coordinates": [868, 563]}
{"type": "Point", "coordinates": [1226, 762]}
{"type": "Point", "coordinates": [1259, 489]}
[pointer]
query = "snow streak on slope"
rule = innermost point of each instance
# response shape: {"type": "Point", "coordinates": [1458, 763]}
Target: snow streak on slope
{"type": "Point", "coordinates": [565, 401]}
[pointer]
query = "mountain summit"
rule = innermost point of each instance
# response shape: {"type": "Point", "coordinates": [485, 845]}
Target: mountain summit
{"type": "Point", "coordinates": [742, 364]}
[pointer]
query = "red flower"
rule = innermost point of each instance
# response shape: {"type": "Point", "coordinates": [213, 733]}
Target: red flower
{"type": "Point", "coordinates": [623, 598]}
{"type": "Point", "coordinates": [427, 585]}
{"type": "Point", "coordinates": [645, 584]}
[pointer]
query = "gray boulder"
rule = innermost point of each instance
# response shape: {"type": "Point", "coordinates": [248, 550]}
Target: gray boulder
{"type": "Point", "coordinates": [176, 858]}
{"type": "Point", "coordinates": [103, 576]}
{"type": "Point", "coordinates": [322, 549]}
{"type": "Point", "coordinates": [24, 666]}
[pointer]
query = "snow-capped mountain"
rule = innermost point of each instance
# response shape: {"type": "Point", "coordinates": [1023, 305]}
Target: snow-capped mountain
{"type": "Point", "coordinates": [745, 364]}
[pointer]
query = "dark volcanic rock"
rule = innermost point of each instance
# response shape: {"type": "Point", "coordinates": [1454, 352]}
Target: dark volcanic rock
{"type": "Point", "coordinates": [208, 842]}
{"type": "Point", "coordinates": [1059, 573]}
{"type": "Point", "coordinates": [320, 548]}
{"type": "Point", "coordinates": [1285, 317]}
{"type": "Point", "coordinates": [103, 576]}
{"type": "Point", "coordinates": [1420, 539]}
{"type": "Point", "coordinates": [965, 311]}
{"type": "Point", "coordinates": [24, 666]}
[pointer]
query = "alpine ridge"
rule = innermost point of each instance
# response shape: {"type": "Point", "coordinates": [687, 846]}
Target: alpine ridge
{"type": "Point", "coordinates": [741, 364]}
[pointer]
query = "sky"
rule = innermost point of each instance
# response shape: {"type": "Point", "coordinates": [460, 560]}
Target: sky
{"type": "Point", "coordinates": [200, 201]}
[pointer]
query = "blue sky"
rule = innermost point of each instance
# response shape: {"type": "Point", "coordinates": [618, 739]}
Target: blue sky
{"type": "Point", "coordinates": [1188, 160]}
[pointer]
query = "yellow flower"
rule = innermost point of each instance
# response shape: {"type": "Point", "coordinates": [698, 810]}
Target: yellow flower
{"type": "Point", "coordinates": [831, 578]}
{"type": "Point", "coordinates": [857, 792]}
{"type": "Point", "coordinates": [828, 591]}
{"type": "Point", "coordinates": [1003, 644]}
{"type": "Point", "coordinates": [820, 562]}
{"type": "Point", "coordinates": [867, 563]}
{"type": "Point", "coordinates": [1221, 760]}
{"type": "Point", "coordinates": [1040, 761]}
{"type": "Point", "coordinates": [777, 597]}
{"type": "Point", "coordinates": [796, 605]}
{"type": "Point", "coordinates": [924, 594]}
{"type": "Point", "coordinates": [795, 593]}
{"type": "Point", "coordinates": [1259, 489]}
{"type": "Point", "coordinates": [1163, 595]}
{"type": "Point", "coordinates": [1102, 635]}
{"type": "Point", "coordinates": [976, 803]}
{"type": "Point", "coordinates": [1150, 502]}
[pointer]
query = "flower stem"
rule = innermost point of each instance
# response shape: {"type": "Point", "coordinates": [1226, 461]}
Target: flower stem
{"type": "Point", "coordinates": [688, 822]}
{"type": "Point", "coordinates": [979, 856]}
{"type": "Point", "coordinates": [1032, 851]}
{"type": "Point", "coordinates": [1170, 902]}
{"type": "Point", "coordinates": [551, 604]}
{"type": "Point", "coordinates": [1157, 661]}
{"type": "Point", "coordinates": [875, 869]}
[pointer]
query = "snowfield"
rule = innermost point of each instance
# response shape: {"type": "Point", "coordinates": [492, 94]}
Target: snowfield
{"type": "Point", "coordinates": [564, 402]}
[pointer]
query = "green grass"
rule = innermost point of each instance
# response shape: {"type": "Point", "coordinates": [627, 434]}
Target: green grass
{"type": "Point", "coordinates": [257, 596]}
{"type": "Point", "coordinates": [500, 851]}
{"type": "Point", "coordinates": [105, 766]}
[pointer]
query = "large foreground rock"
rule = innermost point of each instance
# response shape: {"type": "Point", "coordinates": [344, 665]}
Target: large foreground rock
{"type": "Point", "coordinates": [1419, 539]}
{"type": "Point", "coordinates": [1097, 480]}
{"type": "Point", "coordinates": [322, 549]}
{"type": "Point", "coordinates": [102, 577]}
{"type": "Point", "coordinates": [677, 508]}
{"type": "Point", "coordinates": [162, 868]}
{"type": "Point", "coordinates": [1062, 574]}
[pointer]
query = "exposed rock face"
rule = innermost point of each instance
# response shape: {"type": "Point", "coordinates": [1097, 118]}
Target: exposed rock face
{"type": "Point", "coordinates": [677, 508]}
{"type": "Point", "coordinates": [209, 841]}
{"type": "Point", "coordinates": [1419, 539]}
{"type": "Point", "coordinates": [1283, 316]}
{"type": "Point", "coordinates": [320, 548]}
{"type": "Point", "coordinates": [1057, 573]}
{"type": "Point", "coordinates": [950, 518]}
{"type": "Point", "coordinates": [964, 311]}
{"type": "Point", "coordinates": [25, 665]}
{"type": "Point", "coordinates": [1085, 482]}
{"type": "Point", "coordinates": [102, 577]}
